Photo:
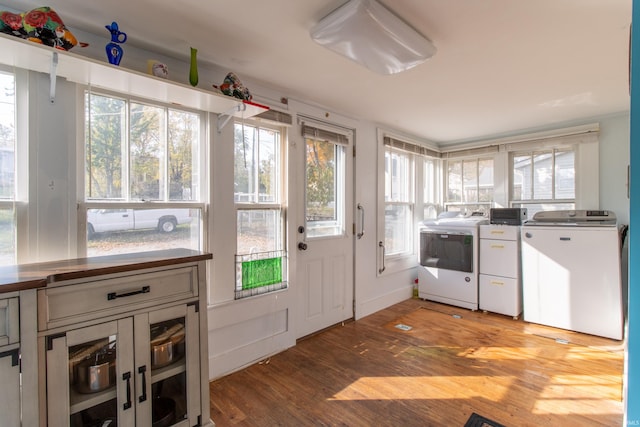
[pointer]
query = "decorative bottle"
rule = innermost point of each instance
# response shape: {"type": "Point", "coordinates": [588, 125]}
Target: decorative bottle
{"type": "Point", "coordinates": [114, 51]}
{"type": "Point", "coordinates": [193, 69]}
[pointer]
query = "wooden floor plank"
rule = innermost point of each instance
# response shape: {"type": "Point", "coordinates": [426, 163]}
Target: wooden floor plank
{"type": "Point", "coordinates": [451, 363]}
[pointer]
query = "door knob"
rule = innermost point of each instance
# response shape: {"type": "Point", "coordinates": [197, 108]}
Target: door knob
{"type": "Point", "coordinates": [302, 246]}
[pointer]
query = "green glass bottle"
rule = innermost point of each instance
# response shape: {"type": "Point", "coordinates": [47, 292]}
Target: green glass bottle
{"type": "Point", "coordinates": [193, 69]}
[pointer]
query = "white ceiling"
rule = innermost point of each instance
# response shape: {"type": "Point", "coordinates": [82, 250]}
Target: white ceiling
{"type": "Point", "coordinates": [502, 66]}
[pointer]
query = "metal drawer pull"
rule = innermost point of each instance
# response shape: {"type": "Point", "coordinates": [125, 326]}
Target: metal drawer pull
{"type": "Point", "coordinates": [127, 377]}
{"type": "Point", "coordinates": [495, 282]}
{"type": "Point", "coordinates": [565, 239]}
{"type": "Point", "coordinates": [361, 233]}
{"type": "Point", "coordinates": [113, 295]}
{"type": "Point", "coordinates": [497, 246]}
{"type": "Point", "coordinates": [142, 370]}
{"type": "Point", "coordinates": [497, 232]}
{"type": "Point", "coordinates": [381, 270]}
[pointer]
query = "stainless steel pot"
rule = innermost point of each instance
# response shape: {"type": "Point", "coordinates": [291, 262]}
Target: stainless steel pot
{"type": "Point", "coordinates": [162, 354]}
{"type": "Point", "coordinates": [167, 346]}
{"type": "Point", "coordinates": [95, 373]}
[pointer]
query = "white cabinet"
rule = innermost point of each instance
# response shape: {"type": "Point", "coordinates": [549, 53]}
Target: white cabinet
{"type": "Point", "coordinates": [9, 361]}
{"type": "Point", "coordinates": [572, 279]}
{"type": "Point", "coordinates": [500, 285]}
{"type": "Point", "coordinates": [126, 348]}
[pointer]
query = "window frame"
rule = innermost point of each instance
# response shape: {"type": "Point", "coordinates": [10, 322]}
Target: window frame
{"type": "Point", "coordinates": [19, 202]}
{"type": "Point", "coordinates": [278, 205]}
{"type": "Point", "coordinates": [553, 202]}
{"type": "Point", "coordinates": [463, 205]}
{"type": "Point", "coordinates": [584, 141]}
{"type": "Point", "coordinates": [341, 140]}
{"type": "Point", "coordinates": [419, 153]}
{"type": "Point", "coordinates": [200, 200]}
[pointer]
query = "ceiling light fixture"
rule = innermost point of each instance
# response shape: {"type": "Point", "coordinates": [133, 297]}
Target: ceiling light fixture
{"type": "Point", "coordinates": [368, 33]}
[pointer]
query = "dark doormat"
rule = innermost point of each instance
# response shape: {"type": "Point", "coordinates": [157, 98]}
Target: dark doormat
{"type": "Point", "coordinates": [476, 420]}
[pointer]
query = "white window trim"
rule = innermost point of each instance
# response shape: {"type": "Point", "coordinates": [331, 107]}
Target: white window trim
{"type": "Point", "coordinates": [587, 163]}
{"type": "Point", "coordinates": [408, 261]}
{"type": "Point", "coordinates": [84, 205]}
{"type": "Point", "coordinates": [477, 158]}
{"type": "Point", "coordinates": [280, 206]}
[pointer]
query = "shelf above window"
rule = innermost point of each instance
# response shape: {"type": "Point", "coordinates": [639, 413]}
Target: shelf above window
{"type": "Point", "coordinates": [21, 53]}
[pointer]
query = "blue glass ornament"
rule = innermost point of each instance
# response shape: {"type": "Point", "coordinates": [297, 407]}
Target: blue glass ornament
{"type": "Point", "coordinates": [114, 51]}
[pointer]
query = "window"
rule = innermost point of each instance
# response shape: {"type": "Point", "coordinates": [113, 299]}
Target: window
{"type": "Point", "coordinates": [258, 180]}
{"type": "Point", "coordinates": [543, 180]}
{"type": "Point", "coordinates": [410, 191]}
{"type": "Point", "coordinates": [143, 176]}
{"type": "Point", "coordinates": [469, 185]}
{"type": "Point", "coordinates": [325, 182]}
{"type": "Point", "coordinates": [399, 202]}
{"type": "Point", "coordinates": [8, 173]}
{"type": "Point", "coordinates": [430, 190]}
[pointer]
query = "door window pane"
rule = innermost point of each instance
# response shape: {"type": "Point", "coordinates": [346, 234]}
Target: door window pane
{"type": "Point", "coordinates": [324, 188]}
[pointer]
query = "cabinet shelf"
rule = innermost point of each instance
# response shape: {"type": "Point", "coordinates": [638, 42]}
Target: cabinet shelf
{"type": "Point", "coordinates": [21, 53]}
{"type": "Point", "coordinates": [80, 402]}
{"type": "Point", "coordinates": [168, 371]}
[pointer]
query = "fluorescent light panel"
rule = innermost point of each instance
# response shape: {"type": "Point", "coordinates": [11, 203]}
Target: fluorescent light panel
{"type": "Point", "coordinates": [368, 33]}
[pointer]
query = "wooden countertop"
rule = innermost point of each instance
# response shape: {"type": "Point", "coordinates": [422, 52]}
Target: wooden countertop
{"type": "Point", "coordinates": [29, 276]}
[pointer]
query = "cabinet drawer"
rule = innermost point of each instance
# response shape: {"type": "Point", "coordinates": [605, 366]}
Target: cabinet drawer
{"type": "Point", "coordinates": [77, 302]}
{"type": "Point", "coordinates": [499, 232]}
{"type": "Point", "coordinates": [500, 295]}
{"type": "Point", "coordinates": [499, 257]}
{"type": "Point", "coordinates": [9, 321]}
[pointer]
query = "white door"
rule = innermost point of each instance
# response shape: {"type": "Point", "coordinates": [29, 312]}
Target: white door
{"type": "Point", "coordinates": [324, 271]}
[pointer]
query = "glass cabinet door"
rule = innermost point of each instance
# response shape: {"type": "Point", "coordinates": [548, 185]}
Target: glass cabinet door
{"type": "Point", "coordinates": [170, 356]}
{"type": "Point", "coordinates": [91, 371]}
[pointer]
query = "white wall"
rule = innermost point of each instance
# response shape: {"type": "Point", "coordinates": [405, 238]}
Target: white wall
{"type": "Point", "coordinates": [242, 332]}
{"type": "Point", "coordinates": [614, 159]}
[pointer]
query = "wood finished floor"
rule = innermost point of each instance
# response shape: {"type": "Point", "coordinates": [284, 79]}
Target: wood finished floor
{"type": "Point", "coordinates": [451, 363]}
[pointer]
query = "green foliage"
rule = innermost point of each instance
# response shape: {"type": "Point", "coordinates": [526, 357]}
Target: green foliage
{"type": "Point", "coordinates": [321, 177]}
{"type": "Point", "coordinates": [159, 144]}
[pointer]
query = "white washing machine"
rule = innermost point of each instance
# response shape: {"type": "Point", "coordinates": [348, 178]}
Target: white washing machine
{"type": "Point", "coordinates": [571, 272]}
{"type": "Point", "coordinates": [448, 270]}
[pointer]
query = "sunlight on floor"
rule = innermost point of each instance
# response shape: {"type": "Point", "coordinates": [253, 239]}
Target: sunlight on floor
{"type": "Point", "coordinates": [584, 387]}
{"type": "Point", "coordinates": [448, 387]}
{"type": "Point", "coordinates": [566, 395]}
{"type": "Point", "coordinates": [568, 407]}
